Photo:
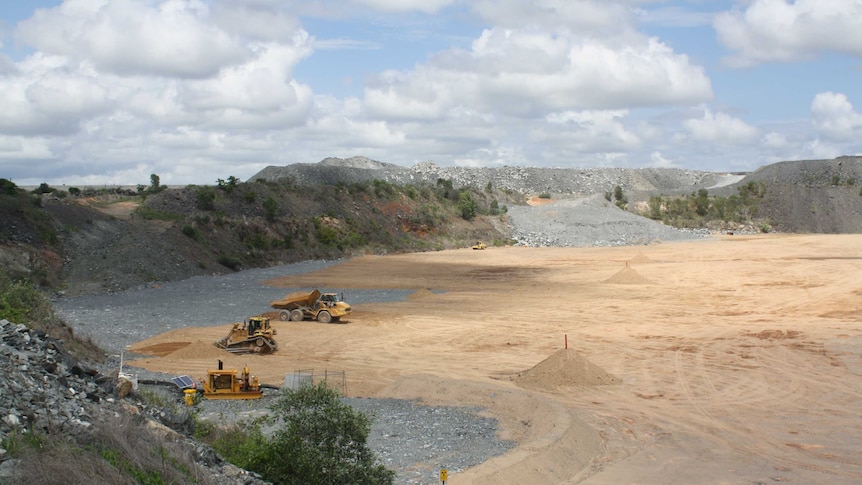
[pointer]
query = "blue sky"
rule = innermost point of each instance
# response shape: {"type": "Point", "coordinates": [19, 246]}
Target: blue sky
{"type": "Point", "coordinates": [109, 92]}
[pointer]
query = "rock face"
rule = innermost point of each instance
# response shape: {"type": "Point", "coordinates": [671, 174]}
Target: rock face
{"type": "Point", "coordinates": [46, 391]}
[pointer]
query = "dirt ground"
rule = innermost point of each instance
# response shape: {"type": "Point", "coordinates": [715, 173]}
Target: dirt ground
{"type": "Point", "coordinates": [726, 361]}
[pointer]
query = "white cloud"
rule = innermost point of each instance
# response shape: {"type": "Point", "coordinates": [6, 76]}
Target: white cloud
{"type": "Point", "coordinates": [780, 31]}
{"type": "Point", "coordinates": [584, 16]}
{"type": "Point", "coordinates": [49, 98]}
{"type": "Point", "coordinates": [527, 73]}
{"type": "Point", "coordinates": [125, 37]}
{"type": "Point", "coordinates": [720, 128]}
{"type": "Point", "coordinates": [427, 6]}
{"type": "Point", "coordinates": [774, 140]}
{"type": "Point", "coordinates": [834, 117]}
{"type": "Point", "coordinates": [588, 131]}
{"type": "Point", "coordinates": [659, 160]}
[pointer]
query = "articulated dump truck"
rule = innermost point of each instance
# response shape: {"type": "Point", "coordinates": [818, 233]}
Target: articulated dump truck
{"type": "Point", "coordinates": [311, 305]}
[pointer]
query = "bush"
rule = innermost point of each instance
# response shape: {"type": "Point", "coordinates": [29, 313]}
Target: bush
{"type": "Point", "coordinates": [320, 440]}
{"type": "Point", "coordinates": [205, 198]}
{"type": "Point", "coordinates": [466, 205]}
{"type": "Point", "coordinates": [22, 302]}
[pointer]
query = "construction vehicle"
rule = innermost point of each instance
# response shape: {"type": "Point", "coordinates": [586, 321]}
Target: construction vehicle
{"type": "Point", "coordinates": [311, 305]}
{"type": "Point", "coordinates": [479, 245]}
{"type": "Point", "coordinates": [252, 336]}
{"type": "Point", "coordinates": [230, 384]}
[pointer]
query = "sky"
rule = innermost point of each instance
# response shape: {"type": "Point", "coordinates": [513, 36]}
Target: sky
{"type": "Point", "coordinates": [97, 92]}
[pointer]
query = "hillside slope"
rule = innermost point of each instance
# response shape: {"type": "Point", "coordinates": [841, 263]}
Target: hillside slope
{"type": "Point", "coordinates": [111, 240]}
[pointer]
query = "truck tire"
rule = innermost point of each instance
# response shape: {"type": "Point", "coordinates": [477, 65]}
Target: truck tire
{"type": "Point", "coordinates": [297, 316]}
{"type": "Point", "coordinates": [283, 315]}
{"type": "Point", "coordinates": [324, 317]}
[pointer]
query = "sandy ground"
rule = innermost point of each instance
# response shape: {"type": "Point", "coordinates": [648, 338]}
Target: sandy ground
{"type": "Point", "coordinates": [725, 361]}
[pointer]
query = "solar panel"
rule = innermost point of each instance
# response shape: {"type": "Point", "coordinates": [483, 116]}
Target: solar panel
{"type": "Point", "coordinates": [183, 382]}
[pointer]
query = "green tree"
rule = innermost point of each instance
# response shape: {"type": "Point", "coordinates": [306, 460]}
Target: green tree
{"type": "Point", "coordinates": [701, 202]}
{"type": "Point", "coordinates": [155, 182]}
{"type": "Point", "coordinates": [270, 209]}
{"type": "Point", "coordinates": [655, 204]}
{"type": "Point", "coordinates": [467, 205]}
{"type": "Point", "coordinates": [320, 440]}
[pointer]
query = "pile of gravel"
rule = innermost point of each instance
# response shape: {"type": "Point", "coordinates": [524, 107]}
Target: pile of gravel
{"type": "Point", "coordinates": [565, 182]}
{"type": "Point", "coordinates": [47, 392]}
{"type": "Point", "coordinates": [589, 221]}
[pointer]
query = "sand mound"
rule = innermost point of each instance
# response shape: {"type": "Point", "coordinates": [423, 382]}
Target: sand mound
{"type": "Point", "coordinates": [418, 294]}
{"type": "Point", "coordinates": [565, 367]}
{"type": "Point", "coordinates": [627, 276]}
{"type": "Point", "coordinates": [641, 258]}
{"type": "Point", "coordinates": [197, 350]}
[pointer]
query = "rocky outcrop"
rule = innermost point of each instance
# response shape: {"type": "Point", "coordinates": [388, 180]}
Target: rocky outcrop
{"type": "Point", "coordinates": [45, 391]}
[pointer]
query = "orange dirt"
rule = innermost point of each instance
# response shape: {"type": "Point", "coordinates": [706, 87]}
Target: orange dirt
{"type": "Point", "coordinates": [732, 360]}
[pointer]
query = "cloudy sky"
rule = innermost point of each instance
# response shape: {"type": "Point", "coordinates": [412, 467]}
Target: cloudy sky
{"type": "Point", "coordinates": [111, 91]}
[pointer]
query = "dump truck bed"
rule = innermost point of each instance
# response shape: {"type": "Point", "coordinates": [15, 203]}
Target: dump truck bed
{"type": "Point", "coordinates": [296, 299]}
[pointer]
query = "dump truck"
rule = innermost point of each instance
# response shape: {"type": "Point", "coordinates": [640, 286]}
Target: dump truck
{"type": "Point", "coordinates": [311, 305]}
{"type": "Point", "coordinates": [252, 336]}
{"type": "Point", "coordinates": [224, 383]}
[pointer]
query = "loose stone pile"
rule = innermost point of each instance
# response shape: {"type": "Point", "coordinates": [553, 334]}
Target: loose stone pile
{"type": "Point", "coordinates": [44, 390]}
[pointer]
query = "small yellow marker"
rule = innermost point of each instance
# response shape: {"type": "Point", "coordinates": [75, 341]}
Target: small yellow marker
{"type": "Point", "coordinates": [444, 475]}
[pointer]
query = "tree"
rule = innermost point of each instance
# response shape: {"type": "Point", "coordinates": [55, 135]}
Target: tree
{"type": "Point", "coordinates": [467, 205]}
{"type": "Point", "coordinates": [155, 182]}
{"type": "Point", "coordinates": [321, 440]}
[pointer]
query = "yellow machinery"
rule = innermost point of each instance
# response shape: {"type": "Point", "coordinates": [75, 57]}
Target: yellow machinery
{"type": "Point", "coordinates": [313, 305]}
{"type": "Point", "coordinates": [230, 384]}
{"type": "Point", "coordinates": [479, 245]}
{"type": "Point", "coordinates": [252, 336]}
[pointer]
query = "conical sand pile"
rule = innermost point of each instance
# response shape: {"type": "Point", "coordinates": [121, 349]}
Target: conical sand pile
{"type": "Point", "coordinates": [641, 258]}
{"type": "Point", "coordinates": [627, 276]}
{"type": "Point", "coordinates": [565, 367]}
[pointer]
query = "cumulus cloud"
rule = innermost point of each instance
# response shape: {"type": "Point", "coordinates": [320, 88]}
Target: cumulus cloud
{"type": "Point", "coordinates": [720, 128]}
{"type": "Point", "coordinates": [782, 31]}
{"type": "Point", "coordinates": [834, 117]}
{"type": "Point", "coordinates": [126, 37]}
{"type": "Point", "coordinates": [588, 131]}
{"type": "Point", "coordinates": [529, 72]}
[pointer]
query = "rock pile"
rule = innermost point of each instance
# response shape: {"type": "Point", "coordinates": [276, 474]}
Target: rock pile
{"type": "Point", "coordinates": [44, 390]}
{"type": "Point", "coordinates": [42, 387]}
{"type": "Point", "coordinates": [568, 182]}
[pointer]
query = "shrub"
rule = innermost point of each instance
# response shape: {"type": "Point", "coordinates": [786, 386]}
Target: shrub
{"type": "Point", "coordinates": [205, 198]}
{"type": "Point", "coordinates": [190, 231]}
{"type": "Point", "coordinates": [546, 195]}
{"type": "Point", "coordinates": [270, 209]}
{"type": "Point", "coordinates": [320, 440]}
{"type": "Point", "coordinates": [7, 187]}
{"type": "Point", "coordinates": [230, 262]}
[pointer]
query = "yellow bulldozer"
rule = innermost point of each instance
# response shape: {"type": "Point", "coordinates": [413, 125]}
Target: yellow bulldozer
{"type": "Point", "coordinates": [479, 245]}
{"type": "Point", "coordinates": [311, 305]}
{"type": "Point", "coordinates": [252, 336]}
